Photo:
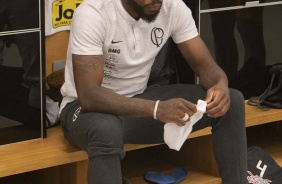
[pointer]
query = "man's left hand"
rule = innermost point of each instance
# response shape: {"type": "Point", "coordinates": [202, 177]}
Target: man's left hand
{"type": "Point", "coordinates": [218, 100]}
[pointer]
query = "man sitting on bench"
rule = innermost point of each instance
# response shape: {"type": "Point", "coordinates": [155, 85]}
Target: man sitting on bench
{"type": "Point", "coordinates": [107, 103]}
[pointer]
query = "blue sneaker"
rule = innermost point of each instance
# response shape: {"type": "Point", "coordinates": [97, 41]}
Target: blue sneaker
{"type": "Point", "coordinates": [156, 177]}
{"type": "Point", "coordinates": [179, 175]}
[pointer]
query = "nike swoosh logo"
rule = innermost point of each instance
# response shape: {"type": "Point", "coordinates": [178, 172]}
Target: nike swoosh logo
{"type": "Point", "coordinates": [113, 42]}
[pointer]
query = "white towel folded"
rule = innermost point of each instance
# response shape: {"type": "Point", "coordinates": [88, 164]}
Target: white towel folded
{"type": "Point", "coordinates": [175, 136]}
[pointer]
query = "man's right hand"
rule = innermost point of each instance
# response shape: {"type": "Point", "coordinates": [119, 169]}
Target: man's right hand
{"type": "Point", "coordinates": [173, 111]}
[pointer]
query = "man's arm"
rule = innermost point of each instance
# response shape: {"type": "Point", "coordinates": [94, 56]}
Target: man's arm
{"type": "Point", "coordinates": [210, 74]}
{"type": "Point", "coordinates": [88, 75]}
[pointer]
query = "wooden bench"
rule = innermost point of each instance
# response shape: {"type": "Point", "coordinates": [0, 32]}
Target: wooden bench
{"type": "Point", "coordinates": [54, 160]}
{"type": "Point", "coordinates": [67, 164]}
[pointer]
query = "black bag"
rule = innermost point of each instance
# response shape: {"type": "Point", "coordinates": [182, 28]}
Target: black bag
{"type": "Point", "coordinates": [55, 81]}
{"type": "Point", "coordinates": [262, 169]}
{"type": "Point", "coordinates": [272, 96]}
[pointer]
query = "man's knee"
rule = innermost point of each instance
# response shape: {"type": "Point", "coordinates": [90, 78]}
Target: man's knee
{"type": "Point", "coordinates": [237, 106]}
{"type": "Point", "coordinates": [105, 137]}
{"type": "Point", "coordinates": [237, 99]}
{"type": "Point", "coordinates": [106, 130]}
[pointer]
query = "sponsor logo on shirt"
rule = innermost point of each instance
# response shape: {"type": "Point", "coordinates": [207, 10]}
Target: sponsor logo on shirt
{"type": "Point", "coordinates": [114, 42]}
{"type": "Point", "coordinates": [107, 73]}
{"type": "Point", "coordinates": [116, 51]}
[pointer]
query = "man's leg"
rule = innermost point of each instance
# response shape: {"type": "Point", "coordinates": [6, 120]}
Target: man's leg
{"type": "Point", "coordinates": [228, 132]}
{"type": "Point", "coordinates": [100, 135]}
{"type": "Point", "coordinates": [229, 141]}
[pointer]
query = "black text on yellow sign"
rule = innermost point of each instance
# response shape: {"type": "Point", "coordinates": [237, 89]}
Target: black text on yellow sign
{"type": "Point", "coordinates": [62, 12]}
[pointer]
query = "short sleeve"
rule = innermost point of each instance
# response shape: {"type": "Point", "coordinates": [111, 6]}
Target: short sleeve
{"type": "Point", "coordinates": [184, 27]}
{"type": "Point", "coordinates": [88, 31]}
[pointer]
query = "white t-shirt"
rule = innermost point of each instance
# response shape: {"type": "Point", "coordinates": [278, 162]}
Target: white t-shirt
{"type": "Point", "coordinates": [129, 47]}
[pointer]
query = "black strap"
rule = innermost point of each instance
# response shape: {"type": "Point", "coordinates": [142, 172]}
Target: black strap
{"type": "Point", "coordinates": [259, 101]}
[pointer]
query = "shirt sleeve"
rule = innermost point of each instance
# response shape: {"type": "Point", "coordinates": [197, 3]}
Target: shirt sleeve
{"type": "Point", "coordinates": [87, 31]}
{"type": "Point", "coordinates": [184, 27]}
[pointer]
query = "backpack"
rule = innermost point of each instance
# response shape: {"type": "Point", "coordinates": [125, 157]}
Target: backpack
{"type": "Point", "coordinates": [272, 96]}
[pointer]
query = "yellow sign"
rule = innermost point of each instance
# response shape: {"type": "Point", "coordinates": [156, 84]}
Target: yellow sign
{"type": "Point", "coordinates": [62, 12]}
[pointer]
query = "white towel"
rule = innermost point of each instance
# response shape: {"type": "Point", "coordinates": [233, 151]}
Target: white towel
{"type": "Point", "coordinates": [175, 136]}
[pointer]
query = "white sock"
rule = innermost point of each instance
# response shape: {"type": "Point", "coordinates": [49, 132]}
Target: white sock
{"type": "Point", "coordinates": [175, 136]}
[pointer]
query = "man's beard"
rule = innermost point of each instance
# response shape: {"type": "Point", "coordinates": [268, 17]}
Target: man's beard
{"type": "Point", "coordinates": [140, 11]}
